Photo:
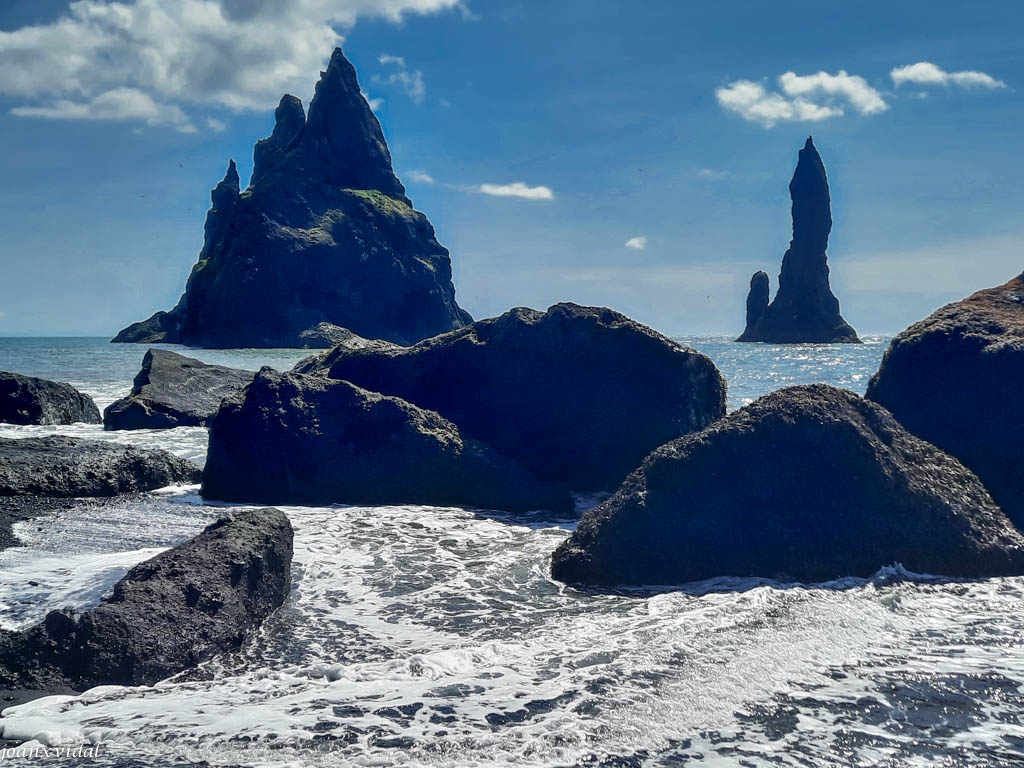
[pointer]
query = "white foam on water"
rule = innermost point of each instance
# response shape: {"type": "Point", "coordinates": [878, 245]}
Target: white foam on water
{"type": "Point", "coordinates": [430, 636]}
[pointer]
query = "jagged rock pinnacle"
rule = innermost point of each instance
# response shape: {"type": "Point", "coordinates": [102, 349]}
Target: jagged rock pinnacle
{"type": "Point", "coordinates": [324, 239]}
{"type": "Point", "coordinates": [804, 309]}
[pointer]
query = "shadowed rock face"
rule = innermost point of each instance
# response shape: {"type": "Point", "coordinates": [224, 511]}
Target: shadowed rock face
{"type": "Point", "coordinates": [172, 390]}
{"type": "Point", "coordinates": [324, 237]}
{"type": "Point", "coordinates": [168, 614]}
{"type": "Point", "coordinates": [66, 466]}
{"type": "Point", "coordinates": [28, 400]}
{"type": "Point", "coordinates": [955, 380]}
{"type": "Point", "coordinates": [577, 395]}
{"type": "Point", "coordinates": [297, 439]}
{"type": "Point", "coordinates": [808, 483]}
{"type": "Point", "coordinates": [804, 309]}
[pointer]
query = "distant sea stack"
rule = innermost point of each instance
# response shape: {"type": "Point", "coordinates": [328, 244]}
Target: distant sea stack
{"type": "Point", "coordinates": [323, 239]}
{"type": "Point", "coordinates": [805, 310]}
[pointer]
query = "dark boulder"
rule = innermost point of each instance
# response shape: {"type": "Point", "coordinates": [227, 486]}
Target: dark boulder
{"type": "Point", "coordinates": [28, 400]}
{"type": "Point", "coordinates": [168, 614]}
{"type": "Point", "coordinates": [66, 466]}
{"type": "Point", "coordinates": [172, 390]}
{"type": "Point", "coordinates": [324, 237]}
{"type": "Point", "coordinates": [808, 483]}
{"type": "Point", "coordinates": [577, 395]}
{"type": "Point", "coordinates": [955, 379]}
{"type": "Point", "coordinates": [805, 309]}
{"type": "Point", "coordinates": [295, 439]}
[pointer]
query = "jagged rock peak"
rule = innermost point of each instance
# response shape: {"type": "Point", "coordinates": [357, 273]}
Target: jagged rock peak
{"type": "Point", "coordinates": [812, 213]}
{"type": "Point", "coordinates": [343, 137]}
{"type": "Point", "coordinates": [757, 299]}
{"type": "Point", "coordinates": [227, 188]}
{"type": "Point", "coordinates": [289, 120]}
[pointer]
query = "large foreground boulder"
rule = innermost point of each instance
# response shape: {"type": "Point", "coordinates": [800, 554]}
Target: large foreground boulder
{"type": "Point", "coordinates": [808, 483]}
{"type": "Point", "coordinates": [28, 400]}
{"type": "Point", "coordinates": [577, 395]}
{"type": "Point", "coordinates": [323, 239]}
{"type": "Point", "coordinates": [295, 439]}
{"type": "Point", "coordinates": [66, 466]}
{"type": "Point", "coordinates": [172, 390]}
{"type": "Point", "coordinates": [957, 380]}
{"type": "Point", "coordinates": [170, 613]}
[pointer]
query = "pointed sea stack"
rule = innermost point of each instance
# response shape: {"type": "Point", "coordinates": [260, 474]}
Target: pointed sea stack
{"type": "Point", "coordinates": [805, 309]}
{"type": "Point", "coordinates": [323, 239]}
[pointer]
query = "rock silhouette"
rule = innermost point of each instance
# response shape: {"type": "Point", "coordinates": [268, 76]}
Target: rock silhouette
{"type": "Point", "coordinates": [323, 239]}
{"type": "Point", "coordinates": [804, 309]}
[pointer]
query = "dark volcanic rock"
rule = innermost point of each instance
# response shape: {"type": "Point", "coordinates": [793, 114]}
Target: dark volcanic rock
{"type": "Point", "coordinates": [172, 390]}
{"type": "Point", "coordinates": [324, 236]}
{"type": "Point", "coordinates": [809, 483]}
{"type": "Point", "coordinates": [186, 605]}
{"type": "Point", "coordinates": [66, 466]}
{"type": "Point", "coordinates": [295, 439]}
{"type": "Point", "coordinates": [955, 380]}
{"type": "Point", "coordinates": [805, 309]}
{"type": "Point", "coordinates": [28, 400]}
{"type": "Point", "coordinates": [758, 298]}
{"type": "Point", "coordinates": [577, 395]}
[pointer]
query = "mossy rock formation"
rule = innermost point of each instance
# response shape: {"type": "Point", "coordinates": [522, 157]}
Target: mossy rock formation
{"type": "Point", "coordinates": [323, 239]}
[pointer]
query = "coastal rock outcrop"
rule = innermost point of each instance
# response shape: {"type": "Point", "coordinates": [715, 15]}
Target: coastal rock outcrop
{"type": "Point", "coordinates": [168, 614]}
{"type": "Point", "coordinates": [804, 309]}
{"type": "Point", "coordinates": [172, 390]}
{"type": "Point", "coordinates": [296, 439]}
{"type": "Point", "coordinates": [29, 400]}
{"type": "Point", "coordinates": [324, 237]}
{"type": "Point", "coordinates": [66, 466]}
{"type": "Point", "coordinates": [954, 379]}
{"type": "Point", "coordinates": [808, 483]}
{"type": "Point", "coordinates": [577, 395]}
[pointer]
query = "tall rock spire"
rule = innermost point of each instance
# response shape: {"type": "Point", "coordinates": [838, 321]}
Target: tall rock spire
{"type": "Point", "coordinates": [804, 309]}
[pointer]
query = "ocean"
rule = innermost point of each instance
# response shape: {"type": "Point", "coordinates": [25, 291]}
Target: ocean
{"type": "Point", "coordinates": [420, 636]}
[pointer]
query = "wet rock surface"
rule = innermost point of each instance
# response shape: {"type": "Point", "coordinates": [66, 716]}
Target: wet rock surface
{"type": "Point", "coordinates": [809, 483]}
{"type": "Point", "coordinates": [172, 390]}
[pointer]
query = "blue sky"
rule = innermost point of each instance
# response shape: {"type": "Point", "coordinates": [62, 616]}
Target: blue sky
{"type": "Point", "coordinates": [652, 142]}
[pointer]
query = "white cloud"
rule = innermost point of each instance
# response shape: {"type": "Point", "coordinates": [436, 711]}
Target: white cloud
{"type": "Point", "coordinates": [711, 174]}
{"type": "Point", "coordinates": [926, 73]}
{"type": "Point", "coordinates": [410, 82]}
{"type": "Point", "coordinates": [421, 176]}
{"type": "Point", "coordinates": [215, 125]}
{"type": "Point", "coordinates": [116, 104]}
{"type": "Point", "coordinates": [851, 88]}
{"type": "Point", "coordinates": [804, 98]}
{"type": "Point", "coordinates": [238, 54]}
{"type": "Point", "coordinates": [637, 243]}
{"type": "Point", "coordinates": [517, 189]}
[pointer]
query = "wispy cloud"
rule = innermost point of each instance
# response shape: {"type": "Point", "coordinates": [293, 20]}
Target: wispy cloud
{"type": "Point", "coordinates": [215, 125]}
{"type": "Point", "coordinates": [409, 81]}
{"type": "Point", "coordinates": [421, 176]}
{"type": "Point", "coordinates": [116, 104]}
{"type": "Point", "coordinates": [711, 174]}
{"type": "Point", "coordinates": [801, 98]}
{"type": "Point", "coordinates": [637, 243]}
{"type": "Point", "coordinates": [926, 73]}
{"type": "Point", "coordinates": [96, 58]}
{"type": "Point", "coordinates": [517, 189]}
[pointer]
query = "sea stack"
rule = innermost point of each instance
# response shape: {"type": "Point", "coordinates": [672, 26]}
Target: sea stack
{"type": "Point", "coordinates": [323, 239]}
{"type": "Point", "coordinates": [804, 310]}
